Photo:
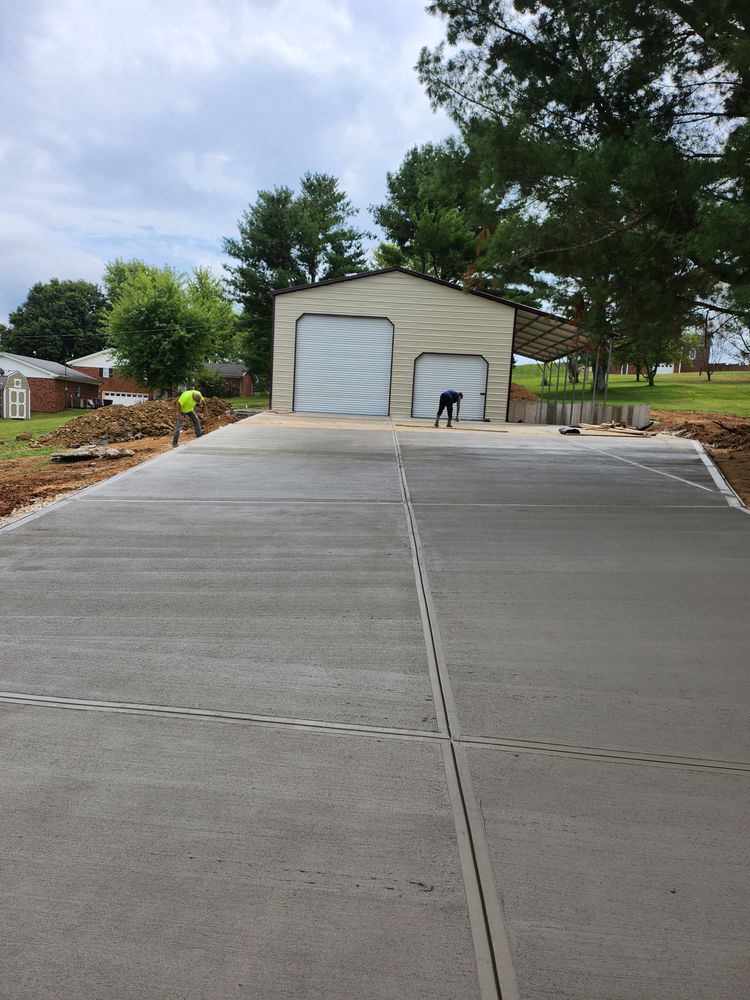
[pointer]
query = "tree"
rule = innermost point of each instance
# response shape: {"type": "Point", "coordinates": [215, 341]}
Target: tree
{"type": "Point", "coordinates": [163, 326]}
{"type": "Point", "coordinates": [58, 321]}
{"type": "Point", "coordinates": [738, 343]}
{"type": "Point", "coordinates": [326, 246]}
{"type": "Point", "coordinates": [287, 240]}
{"type": "Point", "coordinates": [611, 136]}
{"type": "Point", "coordinates": [118, 271]}
{"type": "Point", "coordinates": [431, 215]}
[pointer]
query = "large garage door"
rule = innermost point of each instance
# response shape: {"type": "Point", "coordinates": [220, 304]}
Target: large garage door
{"type": "Point", "coordinates": [433, 373]}
{"type": "Point", "coordinates": [343, 365]}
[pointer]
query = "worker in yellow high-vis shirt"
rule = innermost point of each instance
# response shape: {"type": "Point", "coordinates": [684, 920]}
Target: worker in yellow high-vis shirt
{"type": "Point", "coordinates": [185, 406]}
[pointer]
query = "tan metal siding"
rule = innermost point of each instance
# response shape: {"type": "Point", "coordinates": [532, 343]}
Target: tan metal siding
{"type": "Point", "coordinates": [426, 317]}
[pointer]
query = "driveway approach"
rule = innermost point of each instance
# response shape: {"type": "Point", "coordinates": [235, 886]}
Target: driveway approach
{"type": "Point", "coordinates": [326, 708]}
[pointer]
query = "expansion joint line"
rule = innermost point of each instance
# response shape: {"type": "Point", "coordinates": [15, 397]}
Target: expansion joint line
{"type": "Point", "coordinates": [648, 468]}
{"type": "Point", "coordinates": [445, 707]}
{"type": "Point", "coordinates": [497, 980]}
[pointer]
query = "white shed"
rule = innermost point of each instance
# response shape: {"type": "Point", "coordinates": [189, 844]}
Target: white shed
{"type": "Point", "coordinates": [389, 342]}
{"type": "Point", "coordinates": [15, 396]}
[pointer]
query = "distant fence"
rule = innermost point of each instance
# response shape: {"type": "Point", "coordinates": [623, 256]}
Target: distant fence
{"type": "Point", "coordinates": [542, 412]}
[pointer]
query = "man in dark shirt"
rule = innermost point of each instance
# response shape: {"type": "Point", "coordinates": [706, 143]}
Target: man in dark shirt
{"type": "Point", "coordinates": [447, 399]}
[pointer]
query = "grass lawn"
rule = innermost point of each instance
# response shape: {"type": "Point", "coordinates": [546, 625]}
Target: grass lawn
{"type": "Point", "coordinates": [257, 402]}
{"type": "Point", "coordinates": [727, 392]}
{"type": "Point", "coordinates": [40, 423]}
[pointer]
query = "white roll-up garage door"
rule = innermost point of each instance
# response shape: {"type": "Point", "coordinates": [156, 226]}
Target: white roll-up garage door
{"type": "Point", "coordinates": [434, 373]}
{"type": "Point", "coordinates": [125, 398]}
{"type": "Point", "coordinates": [343, 365]}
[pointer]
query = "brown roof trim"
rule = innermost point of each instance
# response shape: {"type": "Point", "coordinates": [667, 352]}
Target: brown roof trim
{"type": "Point", "coordinates": [424, 277]}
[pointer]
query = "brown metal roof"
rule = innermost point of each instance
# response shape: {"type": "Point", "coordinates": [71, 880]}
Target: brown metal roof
{"type": "Point", "coordinates": [537, 334]}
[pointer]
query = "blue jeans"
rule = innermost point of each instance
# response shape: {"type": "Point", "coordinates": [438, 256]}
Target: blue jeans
{"type": "Point", "coordinates": [178, 425]}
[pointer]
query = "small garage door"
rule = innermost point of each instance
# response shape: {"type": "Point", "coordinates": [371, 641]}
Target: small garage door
{"type": "Point", "coordinates": [433, 373]}
{"type": "Point", "coordinates": [343, 365]}
{"type": "Point", "coordinates": [125, 398]}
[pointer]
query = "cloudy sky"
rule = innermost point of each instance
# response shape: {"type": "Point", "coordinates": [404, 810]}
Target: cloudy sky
{"type": "Point", "coordinates": [137, 128]}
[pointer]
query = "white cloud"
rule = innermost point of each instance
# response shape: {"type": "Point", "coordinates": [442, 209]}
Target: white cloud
{"type": "Point", "coordinates": [144, 129]}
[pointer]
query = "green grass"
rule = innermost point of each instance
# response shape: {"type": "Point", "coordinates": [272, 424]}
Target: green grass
{"type": "Point", "coordinates": [727, 392]}
{"type": "Point", "coordinates": [257, 402]}
{"type": "Point", "coordinates": [40, 423]}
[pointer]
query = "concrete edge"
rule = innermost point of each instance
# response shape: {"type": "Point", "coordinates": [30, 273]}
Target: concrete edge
{"type": "Point", "coordinates": [733, 499]}
{"type": "Point", "coordinates": [76, 494]}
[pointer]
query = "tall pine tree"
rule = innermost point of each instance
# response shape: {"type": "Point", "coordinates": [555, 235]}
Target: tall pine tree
{"type": "Point", "coordinates": [284, 240]}
{"type": "Point", "coordinates": [609, 135]}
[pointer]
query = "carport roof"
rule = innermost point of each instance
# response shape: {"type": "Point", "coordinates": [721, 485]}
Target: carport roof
{"type": "Point", "coordinates": [539, 335]}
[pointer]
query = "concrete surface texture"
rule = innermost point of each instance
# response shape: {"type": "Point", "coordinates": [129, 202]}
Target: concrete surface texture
{"type": "Point", "coordinates": [319, 707]}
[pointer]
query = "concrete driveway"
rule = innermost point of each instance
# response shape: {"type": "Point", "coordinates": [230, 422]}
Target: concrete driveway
{"type": "Point", "coordinates": [328, 708]}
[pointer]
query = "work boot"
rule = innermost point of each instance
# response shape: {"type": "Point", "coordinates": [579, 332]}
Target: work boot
{"type": "Point", "coordinates": [451, 426]}
{"type": "Point", "coordinates": [436, 424]}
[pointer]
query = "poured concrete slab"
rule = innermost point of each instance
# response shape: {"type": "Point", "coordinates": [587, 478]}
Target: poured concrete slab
{"type": "Point", "coordinates": [257, 460]}
{"type": "Point", "coordinates": [266, 569]}
{"type": "Point", "coordinates": [291, 610]}
{"type": "Point", "coordinates": [171, 858]}
{"type": "Point", "coordinates": [623, 881]}
{"type": "Point", "coordinates": [622, 628]}
{"type": "Point", "coordinates": [508, 469]}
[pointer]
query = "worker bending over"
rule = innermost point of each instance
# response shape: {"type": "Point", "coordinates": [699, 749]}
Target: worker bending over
{"type": "Point", "coordinates": [185, 406]}
{"type": "Point", "coordinates": [447, 399]}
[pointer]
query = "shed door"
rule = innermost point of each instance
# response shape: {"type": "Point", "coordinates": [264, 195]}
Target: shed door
{"type": "Point", "coordinates": [343, 365]}
{"type": "Point", "coordinates": [17, 404]}
{"type": "Point", "coordinates": [434, 373]}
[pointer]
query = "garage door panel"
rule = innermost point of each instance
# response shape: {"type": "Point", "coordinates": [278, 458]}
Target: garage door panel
{"type": "Point", "coordinates": [434, 373]}
{"type": "Point", "coordinates": [125, 398]}
{"type": "Point", "coordinates": [343, 365]}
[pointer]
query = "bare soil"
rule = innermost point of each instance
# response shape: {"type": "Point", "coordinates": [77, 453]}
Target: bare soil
{"type": "Point", "coordinates": [519, 392]}
{"type": "Point", "coordinates": [29, 483]}
{"type": "Point", "coordinates": [726, 438]}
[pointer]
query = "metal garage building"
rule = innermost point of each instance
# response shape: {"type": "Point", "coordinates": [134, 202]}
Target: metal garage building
{"type": "Point", "coordinates": [388, 342]}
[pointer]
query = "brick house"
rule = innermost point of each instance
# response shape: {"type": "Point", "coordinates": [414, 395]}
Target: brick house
{"type": "Point", "coordinates": [53, 387]}
{"type": "Point", "coordinates": [101, 366]}
{"type": "Point", "coordinates": [237, 380]}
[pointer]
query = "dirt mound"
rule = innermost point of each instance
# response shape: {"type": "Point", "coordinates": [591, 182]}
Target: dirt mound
{"type": "Point", "coordinates": [717, 430]}
{"type": "Point", "coordinates": [520, 393]}
{"type": "Point", "coordinates": [128, 423]}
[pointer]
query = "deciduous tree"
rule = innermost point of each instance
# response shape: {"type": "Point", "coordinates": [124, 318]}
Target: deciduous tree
{"type": "Point", "coordinates": [58, 321]}
{"type": "Point", "coordinates": [163, 326]}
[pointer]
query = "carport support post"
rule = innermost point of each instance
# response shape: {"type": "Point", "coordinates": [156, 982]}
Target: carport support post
{"type": "Point", "coordinates": [549, 390]}
{"type": "Point", "coordinates": [565, 387]}
{"type": "Point", "coordinates": [606, 376]}
{"type": "Point", "coordinates": [541, 395]}
{"type": "Point", "coordinates": [596, 379]}
{"type": "Point", "coordinates": [583, 387]}
{"type": "Point", "coordinates": [557, 391]}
